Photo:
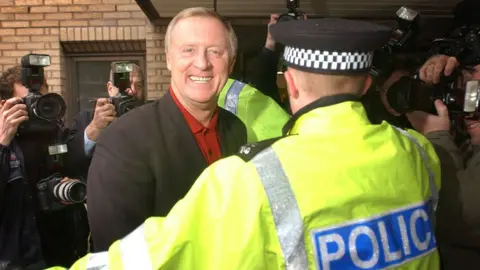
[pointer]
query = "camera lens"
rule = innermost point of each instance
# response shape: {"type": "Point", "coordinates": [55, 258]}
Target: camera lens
{"type": "Point", "coordinates": [73, 191]}
{"type": "Point", "coordinates": [407, 95]}
{"type": "Point", "coordinates": [50, 107]}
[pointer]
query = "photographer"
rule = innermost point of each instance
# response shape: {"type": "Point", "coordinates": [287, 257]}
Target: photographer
{"type": "Point", "coordinates": [458, 215]}
{"type": "Point", "coordinates": [88, 125]}
{"type": "Point", "coordinates": [264, 75]}
{"type": "Point", "coordinates": [26, 231]}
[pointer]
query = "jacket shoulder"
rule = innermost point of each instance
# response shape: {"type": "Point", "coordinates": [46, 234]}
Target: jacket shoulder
{"type": "Point", "coordinates": [248, 151]}
{"type": "Point", "coordinates": [226, 115]}
{"type": "Point", "coordinates": [84, 117]}
{"type": "Point", "coordinates": [230, 118]}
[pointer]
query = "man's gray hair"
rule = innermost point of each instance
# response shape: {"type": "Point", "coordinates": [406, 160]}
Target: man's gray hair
{"type": "Point", "coordinates": [207, 13]}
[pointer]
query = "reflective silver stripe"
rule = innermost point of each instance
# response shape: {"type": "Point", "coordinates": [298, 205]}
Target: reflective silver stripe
{"type": "Point", "coordinates": [134, 251]}
{"type": "Point", "coordinates": [285, 211]}
{"type": "Point", "coordinates": [97, 261]}
{"type": "Point", "coordinates": [231, 98]}
{"type": "Point", "coordinates": [431, 175]}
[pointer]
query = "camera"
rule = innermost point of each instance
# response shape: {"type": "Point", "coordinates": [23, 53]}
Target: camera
{"type": "Point", "coordinates": [121, 80]}
{"type": "Point", "coordinates": [463, 43]}
{"type": "Point", "coordinates": [383, 63]}
{"type": "Point", "coordinates": [293, 12]}
{"type": "Point", "coordinates": [51, 191]}
{"type": "Point", "coordinates": [44, 111]}
{"type": "Point", "coordinates": [411, 94]}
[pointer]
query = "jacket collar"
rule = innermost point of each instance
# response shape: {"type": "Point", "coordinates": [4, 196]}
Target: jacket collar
{"type": "Point", "coordinates": [327, 112]}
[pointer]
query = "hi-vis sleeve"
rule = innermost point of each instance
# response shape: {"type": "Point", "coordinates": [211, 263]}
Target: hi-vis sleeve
{"type": "Point", "coordinates": [216, 226]}
{"type": "Point", "coordinates": [430, 156]}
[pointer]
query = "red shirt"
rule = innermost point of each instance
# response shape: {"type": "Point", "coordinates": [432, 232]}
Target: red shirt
{"type": "Point", "coordinates": [206, 137]}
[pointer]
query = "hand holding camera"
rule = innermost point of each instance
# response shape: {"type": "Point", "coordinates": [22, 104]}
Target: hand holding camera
{"type": "Point", "coordinates": [12, 114]}
{"type": "Point", "coordinates": [105, 113]}
{"type": "Point", "coordinates": [427, 123]}
{"type": "Point", "coordinates": [432, 70]}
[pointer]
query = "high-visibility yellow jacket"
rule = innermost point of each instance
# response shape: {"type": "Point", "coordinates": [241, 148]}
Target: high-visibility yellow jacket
{"type": "Point", "coordinates": [262, 116]}
{"type": "Point", "coordinates": [338, 193]}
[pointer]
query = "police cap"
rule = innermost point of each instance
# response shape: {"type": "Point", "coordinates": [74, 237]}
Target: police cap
{"type": "Point", "coordinates": [330, 45]}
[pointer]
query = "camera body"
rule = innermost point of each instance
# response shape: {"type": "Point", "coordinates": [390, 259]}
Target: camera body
{"type": "Point", "coordinates": [409, 94]}
{"type": "Point", "coordinates": [51, 191]}
{"type": "Point", "coordinates": [121, 80]}
{"type": "Point", "coordinates": [293, 12]}
{"type": "Point", "coordinates": [463, 43]}
{"type": "Point", "coordinates": [408, 21]}
{"type": "Point", "coordinates": [44, 111]}
{"type": "Point", "coordinates": [125, 103]}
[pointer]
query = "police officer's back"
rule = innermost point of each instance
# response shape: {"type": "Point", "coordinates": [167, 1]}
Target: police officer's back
{"type": "Point", "coordinates": [336, 192]}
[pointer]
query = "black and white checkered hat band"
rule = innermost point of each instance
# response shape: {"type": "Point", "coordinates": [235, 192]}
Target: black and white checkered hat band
{"type": "Point", "coordinates": [328, 61]}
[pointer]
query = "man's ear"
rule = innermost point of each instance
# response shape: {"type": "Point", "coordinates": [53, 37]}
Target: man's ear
{"type": "Point", "coordinates": [169, 61]}
{"type": "Point", "coordinates": [110, 89]}
{"type": "Point", "coordinates": [368, 83]}
{"type": "Point", "coordinates": [291, 87]}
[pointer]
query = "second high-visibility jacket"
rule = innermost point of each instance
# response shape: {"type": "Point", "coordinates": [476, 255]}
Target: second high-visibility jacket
{"type": "Point", "coordinates": [337, 193]}
{"type": "Point", "coordinates": [262, 116]}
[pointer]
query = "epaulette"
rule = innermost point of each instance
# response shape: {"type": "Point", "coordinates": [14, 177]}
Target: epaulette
{"type": "Point", "coordinates": [248, 151]}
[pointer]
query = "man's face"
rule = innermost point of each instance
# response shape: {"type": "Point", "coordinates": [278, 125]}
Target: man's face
{"type": "Point", "coordinates": [19, 90]}
{"type": "Point", "coordinates": [471, 75]}
{"type": "Point", "coordinates": [136, 87]}
{"type": "Point", "coordinates": [199, 59]}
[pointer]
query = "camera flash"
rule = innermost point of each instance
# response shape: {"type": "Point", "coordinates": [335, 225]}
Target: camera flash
{"type": "Point", "coordinates": [36, 60]}
{"type": "Point", "coordinates": [406, 14]}
{"type": "Point", "coordinates": [471, 97]}
{"type": "Point", "coordinates": [123, 67]}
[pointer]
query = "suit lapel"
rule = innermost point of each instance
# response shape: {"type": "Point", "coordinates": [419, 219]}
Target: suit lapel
{"type": "Point", "coordinates": [222, 130]}
{"type": "Point", "coordinates": [180, 137]}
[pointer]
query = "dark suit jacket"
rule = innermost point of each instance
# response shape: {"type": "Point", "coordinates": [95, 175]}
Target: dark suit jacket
{"type": "Point", "coordinates": [145, 162]}
{"type": "Point", "coordinates": [76, 161]}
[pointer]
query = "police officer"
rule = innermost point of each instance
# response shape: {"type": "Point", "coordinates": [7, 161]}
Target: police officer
{"type": "Point", "coordinates": [262, 116]}
{"type": "Point", "coordinates": [336, 192]}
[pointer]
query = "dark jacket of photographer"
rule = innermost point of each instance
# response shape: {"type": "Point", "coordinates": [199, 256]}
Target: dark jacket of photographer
{"type": "Point", "coordinates": [78, 160]}
{"type": "Point", "coordinates": [19, 239]}
{"type": "Point", "coordinates": [145, 162]}
{"type": "Point", "coordinates": [458, 213]}
{"type": "Point", "coordinates": [26, 233]}
{"type": "Point", "coordinates": [23, 163]}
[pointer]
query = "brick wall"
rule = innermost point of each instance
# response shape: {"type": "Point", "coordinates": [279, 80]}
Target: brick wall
{"type": "Point", "coordinates": [39, 26]}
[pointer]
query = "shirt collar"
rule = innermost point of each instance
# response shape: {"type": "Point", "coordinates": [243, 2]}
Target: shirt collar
{"type": "Point", "coordinates": [194, 125]}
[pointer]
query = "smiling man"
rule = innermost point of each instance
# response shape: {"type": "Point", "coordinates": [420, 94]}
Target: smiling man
{"type": "Point", "coordinates": [147, 160]}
